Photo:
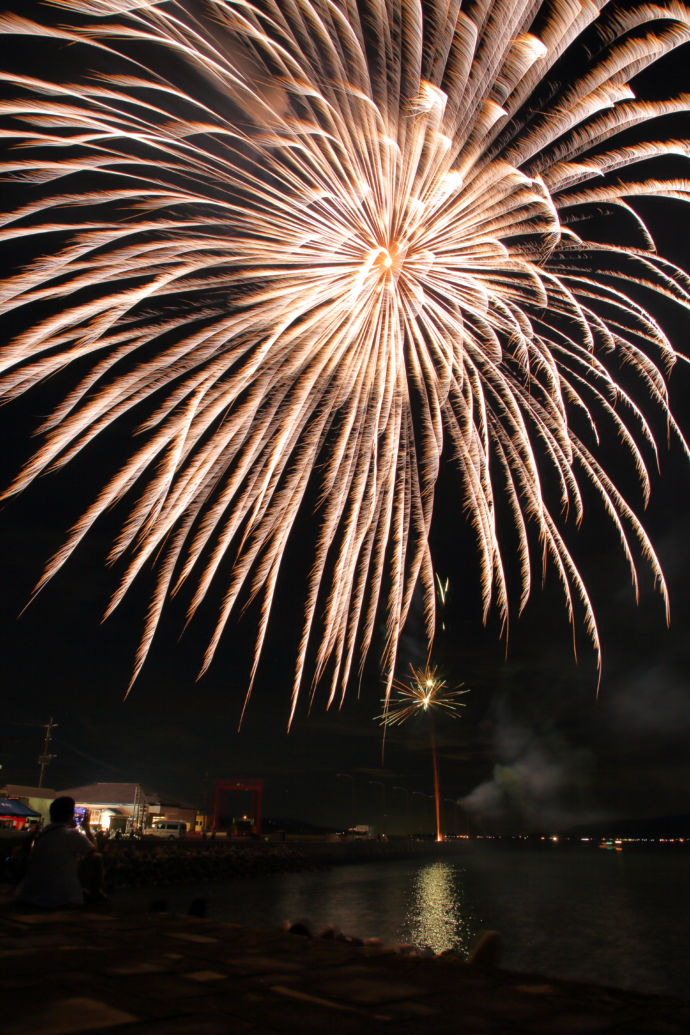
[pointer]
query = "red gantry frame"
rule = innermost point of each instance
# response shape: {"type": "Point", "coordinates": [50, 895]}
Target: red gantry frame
{"type": "Point", "coordinates": [254, 786]}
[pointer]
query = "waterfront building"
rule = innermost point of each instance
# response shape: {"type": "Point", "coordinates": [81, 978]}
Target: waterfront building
{"type": "Point", "coordinates": [129, 806]}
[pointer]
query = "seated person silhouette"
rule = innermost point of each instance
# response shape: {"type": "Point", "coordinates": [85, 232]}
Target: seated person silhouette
{"type": "Point", "coordinates": [62, 863]}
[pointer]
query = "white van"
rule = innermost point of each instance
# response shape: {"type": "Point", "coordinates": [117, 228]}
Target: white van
{"type": "Point", "coordinates": [168, 828]}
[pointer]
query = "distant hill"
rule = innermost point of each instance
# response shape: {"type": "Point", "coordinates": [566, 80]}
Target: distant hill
{"type": "Point", "coordinates": [294, 826]}
{"type": "Point", "coordinates": [656, 826]}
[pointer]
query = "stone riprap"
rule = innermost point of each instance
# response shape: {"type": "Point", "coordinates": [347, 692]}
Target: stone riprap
{"type": "Point", "coordinates": [148, 863]}
{"type": "Point", "coordinates": [153, 973]}
{"type": "Point", "coordinates": [158, 863]}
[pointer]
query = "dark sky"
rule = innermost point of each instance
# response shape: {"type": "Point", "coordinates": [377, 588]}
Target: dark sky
{"type": "Point", "coordinates": [535, 748]}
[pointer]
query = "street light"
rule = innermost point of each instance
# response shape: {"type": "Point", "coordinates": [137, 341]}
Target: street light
{"type": "Point", "coordinates": [347, 776]}
{"type": "Point", "coordinates": [451, 801]}
{"type": "Point", "coordinates": [421, 794]}
{"type": "Point", "coordinates": [379, 783]}
{"type": "Point", "coordinates": [406, 814]}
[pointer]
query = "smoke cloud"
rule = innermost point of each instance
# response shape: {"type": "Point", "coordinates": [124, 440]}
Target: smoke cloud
{"type": "Point", "coordinates": [540, 782]}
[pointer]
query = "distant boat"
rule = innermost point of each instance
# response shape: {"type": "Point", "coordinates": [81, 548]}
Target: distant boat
{"type": "Point", "coordinates": [612, 845]}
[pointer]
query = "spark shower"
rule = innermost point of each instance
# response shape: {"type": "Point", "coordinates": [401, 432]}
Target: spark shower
{"type": "Point", "coordinates": [311, 247]}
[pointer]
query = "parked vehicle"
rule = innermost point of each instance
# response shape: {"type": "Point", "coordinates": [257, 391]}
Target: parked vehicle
{"type": "Point", "coordinates": [168, 828]}
{"type": "Point", "coordinates": [361, 830]}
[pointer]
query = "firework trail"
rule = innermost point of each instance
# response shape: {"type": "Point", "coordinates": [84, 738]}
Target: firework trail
{"type": "Point", "coordinates": [425, 693]}
{"type": "Point", "coordinates": [311, 246]}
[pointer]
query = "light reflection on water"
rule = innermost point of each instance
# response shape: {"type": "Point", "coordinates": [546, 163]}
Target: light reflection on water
{"type": "Point", "coordinates": [424, 904]}
{"type": "Point", "coordinates": [610, 918]}
{"type": "Point", "coordinates": [437, 915]}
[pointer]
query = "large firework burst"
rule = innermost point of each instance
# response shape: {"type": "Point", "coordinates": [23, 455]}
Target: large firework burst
{"type": "Point", "coordinates": [314, 243]}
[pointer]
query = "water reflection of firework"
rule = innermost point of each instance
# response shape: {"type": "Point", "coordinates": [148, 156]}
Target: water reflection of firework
{"type": "Point", "coordinates": [312, 247]}
{"type": "Point", "coordinates": [439, 915]}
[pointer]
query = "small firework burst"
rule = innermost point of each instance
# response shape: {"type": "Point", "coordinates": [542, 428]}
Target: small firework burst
{"type": "Point", "coordinates": [426, 691]}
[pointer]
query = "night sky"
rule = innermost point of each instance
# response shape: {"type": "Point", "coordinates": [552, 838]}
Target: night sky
{"type": "Point", "coordinates": [534, 749]}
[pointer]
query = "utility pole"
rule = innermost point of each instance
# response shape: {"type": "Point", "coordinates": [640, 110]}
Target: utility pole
{"type": "Point", "coordinates": [45, 758]}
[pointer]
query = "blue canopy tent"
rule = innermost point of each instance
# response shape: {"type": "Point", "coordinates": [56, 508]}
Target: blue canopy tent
{"type": "Point", "coordinates": [18, 813]}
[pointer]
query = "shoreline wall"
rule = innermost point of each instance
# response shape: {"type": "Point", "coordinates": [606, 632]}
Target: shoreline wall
{"type": "Point", "coordinates": [145, 863]}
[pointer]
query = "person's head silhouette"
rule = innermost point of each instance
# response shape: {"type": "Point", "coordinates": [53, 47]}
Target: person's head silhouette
{"type": "Point", "coordinates": [62, 810]}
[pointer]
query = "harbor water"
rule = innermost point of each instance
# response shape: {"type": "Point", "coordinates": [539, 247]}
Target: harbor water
{"type": "Point", "coordinates": [614, 918]}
